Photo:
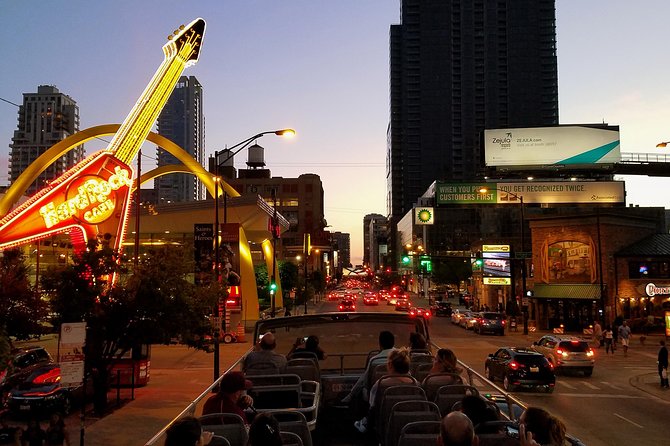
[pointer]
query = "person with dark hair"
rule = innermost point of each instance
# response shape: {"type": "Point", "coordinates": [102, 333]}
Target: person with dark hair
{"type": "Point", "coordinates": [187, 431]}
{"type": "Point", "coordinates": [417, 341]}
{"type": "Point", "coordinates": [608, 338]}
{"type": "Point", "coordinates": [311, 344]}
{"type": "Point", "coordinates": [231, 397]}
{"type": "Point", "coordinates": [56, 433]}
{"type": "Point", "coordinates": [476, 408]}
{"type": "Point", "coordinates": [9, 434]}
{"type": "Point", "coordinates": [386, 343]}
{"type": "Point", "coordinates": [264, 431]}
{"type": "Point", "coordinates": [264, 353]}
{"type": "Point", "coordinates": [456, 429]}
{"type": "Point", "coordinates": [539, 427]}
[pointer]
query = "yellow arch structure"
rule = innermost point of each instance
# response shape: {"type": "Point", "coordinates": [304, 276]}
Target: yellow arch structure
{"type": "Point", "coordinates": [18, 188]}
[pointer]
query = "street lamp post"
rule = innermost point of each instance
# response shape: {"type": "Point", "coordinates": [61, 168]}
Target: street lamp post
{"type": "Point", "coordinates": [524, 298]}
{"type": "Point", "coordinates": [232, 151]}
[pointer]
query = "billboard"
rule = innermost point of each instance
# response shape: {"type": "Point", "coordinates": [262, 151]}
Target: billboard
{"type": "Point", "coordinates": [552, 146]}
{"type": "Point", "coordinates": [531, 191]}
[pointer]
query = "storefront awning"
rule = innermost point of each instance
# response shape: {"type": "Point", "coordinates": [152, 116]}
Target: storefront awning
{"type": "Point", "coordinates": [573, 291]}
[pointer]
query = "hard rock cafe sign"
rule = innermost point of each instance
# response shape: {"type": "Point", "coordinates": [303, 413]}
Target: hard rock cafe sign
{"type": "Point", "coordinates": [652, 290]}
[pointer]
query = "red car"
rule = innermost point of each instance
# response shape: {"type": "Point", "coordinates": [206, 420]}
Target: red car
{"type": "Point", "coordinates": [370, 298]}
{"type": "Point", "coordinates": [347, 305]}
{"type": "Point", "coordinates": [420, 312]}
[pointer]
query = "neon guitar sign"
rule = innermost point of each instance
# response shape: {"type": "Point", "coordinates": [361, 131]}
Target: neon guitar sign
{"type": "Point", "coordinates": [93, 198]}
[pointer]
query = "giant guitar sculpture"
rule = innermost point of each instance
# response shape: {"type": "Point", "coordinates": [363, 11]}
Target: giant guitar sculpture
{"type": "Point", "coordinates": [93, 198]}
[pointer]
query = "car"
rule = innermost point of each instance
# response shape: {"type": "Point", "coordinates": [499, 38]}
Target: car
{"type": "Point", "coordinates": [456, 316]}
{"type": "Point", "coordinates": [22, 362]}
{"type": "Point", "coordinates": [41, 392]}
{"type": "Point", "coordinates": [441, 308]}
{"type": "Point", "coordinates": [402, 304]}
{"type": "Point", "coordinates": [371, 298]}
{"type": "Point", "coordinates": [419, 312]}
{"type": "Point", "coordinates": [384, 295]}
{"type": "Point", "coordinates": [566, 353]}
{"type": "Point", "coordinates": [468, 320]}
{"type": "Point", "coordinates": [334, 295]}
{"type": "Point", "coordinates": [489, 322]}
{"type": "Point", "coordinates": [519, 367]}
{"type": "Point", "coordinates": [392, 300]}
{"type": "Point", "coordinates": [347, 305]}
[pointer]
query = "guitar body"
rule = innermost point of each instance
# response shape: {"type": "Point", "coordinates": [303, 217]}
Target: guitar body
{"type": "Point", "coordinates": [90, 200]}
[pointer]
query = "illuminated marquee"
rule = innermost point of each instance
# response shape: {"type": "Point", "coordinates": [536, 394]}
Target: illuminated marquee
{"type": "Point", "coordinates": [94, 200]}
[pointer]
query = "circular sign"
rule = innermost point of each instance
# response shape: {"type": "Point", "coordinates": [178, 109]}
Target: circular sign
{"type": "Point", "coordinates": [424, 215]}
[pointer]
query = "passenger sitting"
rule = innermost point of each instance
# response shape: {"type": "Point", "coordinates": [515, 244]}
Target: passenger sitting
{"type": "Point", "coordinates": [539, 427]}
{"type": "Point", "coordinates": [187, 432]}
{"type": "Point", "coordinates": [476, 408]}
{"type": "Point", "coordinates": [386, 342]}
{"type": "Point", "coordinates": [397, 365]}
{"type": "Point", "coordinates": [264, 431]}
{"type": "Point", "coordinates": [456, 429]}
{"type": "Point", "coordinates": [445, 362]}
{"type": "Point", "coordinates": [417, 342]}
{"type": "Point", "coordinates": [231, 397]}
{"type": "Point", "coordinates": [264, 354]}
{"type": "Point", "coordinates": [311, 344]}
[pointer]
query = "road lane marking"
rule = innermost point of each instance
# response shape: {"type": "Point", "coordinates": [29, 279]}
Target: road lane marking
{"type": "Point", "coordinates": [566, 385]}
{"type": "Point", "coordinates": [590, 386]}
{"type": "Point", "coordinates": [589, 395]}
{"type": "Point", "coordinates": [611, 385]}
{"type": "Point", "coordinates": [626, 419]}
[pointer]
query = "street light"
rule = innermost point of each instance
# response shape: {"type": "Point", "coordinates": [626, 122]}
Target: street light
{"type": "Point", "coordinates": [232, 151]}
{"type": "Point", "coordinates": [663, 144]}
{"type": "Point", "coordinates": [523, 259]}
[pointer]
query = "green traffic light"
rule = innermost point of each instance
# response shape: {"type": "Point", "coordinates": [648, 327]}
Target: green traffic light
{"type": "Point", "coordinates": [405, 260]}
{"type": "Point", "coordinates": [273, 286]}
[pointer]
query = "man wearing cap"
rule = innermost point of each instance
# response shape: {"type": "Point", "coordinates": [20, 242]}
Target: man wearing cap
{"type": "Point", "coordinates": [231, 397]}
{"type": "Point", "coordinates": [264, 354]}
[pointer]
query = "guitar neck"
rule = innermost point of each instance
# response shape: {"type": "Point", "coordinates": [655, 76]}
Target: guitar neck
{"type": "Point", "coordinates": [137, 125]}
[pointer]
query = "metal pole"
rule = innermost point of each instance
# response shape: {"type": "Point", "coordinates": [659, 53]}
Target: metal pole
{"type": "Point", "coordinates": [225, 220]}
{"type": "Point", "coordinates": [523, 270]}
{"type": "Point", "coordinates": [600, 268]}
{"type": "Point", "coordinates": [217, 261]}
{"type": "Point", "coordinates": [274, 252]}
{"type": "Point", "coordinates": [304, 294]}
{"type": "Point", "coordinates": [137, 209]}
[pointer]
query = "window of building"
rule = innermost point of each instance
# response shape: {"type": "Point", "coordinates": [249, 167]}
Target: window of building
{"type": "Point", "coordinates": [649, 270]}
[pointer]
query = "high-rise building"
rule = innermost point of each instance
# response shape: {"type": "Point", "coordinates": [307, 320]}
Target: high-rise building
{"type": "Point", "coordinates": [456, 68]}
{"type": "Point", "coordinates": [45, 118]}
{"type": "Point", "coordinates": [342, 243]}
{"type": "Point", "coordinates": [368, 236]}
{"type": "Point", "coordinates": [182, 122]}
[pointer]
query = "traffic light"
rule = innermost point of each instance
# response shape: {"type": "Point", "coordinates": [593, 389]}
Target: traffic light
{"type": "Point", "coordinates": [406, 259]}
{"type": "Point", "coordinates": [273, 286]}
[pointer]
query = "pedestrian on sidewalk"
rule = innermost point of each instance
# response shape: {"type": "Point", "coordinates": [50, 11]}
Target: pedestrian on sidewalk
{"type": "Point", "coordinates": [625, 336]}
{"type": "Point", "coordinates": [663, 364]}
{"type": "Point", "coordinates": [608, 337]}
{"type": "Point", "coordinates": [598, 334]}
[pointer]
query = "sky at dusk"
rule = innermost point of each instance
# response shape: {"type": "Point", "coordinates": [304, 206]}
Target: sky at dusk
{"type": "Point", "coordinates": [321, 67]}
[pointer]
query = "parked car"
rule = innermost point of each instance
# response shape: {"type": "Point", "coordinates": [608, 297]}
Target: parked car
{"type": "Point", "coordinates": [23, 361]}
{"type": "Point", "coordinates": [347, 305]}
{"type": "Point", "coordinates": [402, 304]}
{"type": "Point", "coordinates": [519, 367]}
{"type": "Point", "coordinates": [566, 353]}
{"type": "Point", "coordinates": [489, 322]}
{"type": "Point", "coordinates": [441, 308]}
{"type": "Point", "coordinates": [41, 392]}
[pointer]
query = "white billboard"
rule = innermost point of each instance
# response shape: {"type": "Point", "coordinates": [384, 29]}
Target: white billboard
{"type": "Point", "coordinates": [551, 146]}
{"type": "Point", "coordinates": [560, 192]}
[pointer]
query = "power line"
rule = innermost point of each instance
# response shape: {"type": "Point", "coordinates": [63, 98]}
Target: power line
{"type": "Point", "coordinates": [9, 102]}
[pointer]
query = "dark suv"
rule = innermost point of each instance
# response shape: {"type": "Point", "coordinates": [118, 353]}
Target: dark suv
{"type": "Point", "coordinates": [520, 367]}
{"type": "Point", "coordinates": [441, 308]}
{"type": "Point", "coordinates": [488, 322]}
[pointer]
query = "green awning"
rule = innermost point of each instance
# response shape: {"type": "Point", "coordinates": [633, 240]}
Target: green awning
{"type": "Point", "coordinates": [574, 291]}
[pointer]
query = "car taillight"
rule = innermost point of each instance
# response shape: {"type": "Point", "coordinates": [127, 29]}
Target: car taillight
{"type": "Point", "coordinates": [514, 365]}
{"type": "Point", "coordinates": [50, 377]}
{"type": "Point", "coordinates": [341, 307]}
{"type": "Point", "coordinates": [503, 322]}
{"type": "Point", "coordinates": [590, 352]}
{"type": "Point", "coordinates": [562, 353]}
{"type": "Point", "coordinates": [481, 321]}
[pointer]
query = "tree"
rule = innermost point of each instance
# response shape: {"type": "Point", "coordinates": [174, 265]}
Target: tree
{"type": "Point", "coordinates": [22, 309]}
{"type": "Point", "coordinates": [153, 305]}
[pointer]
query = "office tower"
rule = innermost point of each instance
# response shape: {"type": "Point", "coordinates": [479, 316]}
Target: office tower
{"type": "Point", "coordinates": [342, 243]}
{"type": "Point", "coordinates": [458, 67]}
{"type": "Point", "coordinates": [369, 238]}
{"type": "Point", "coordinates": [182, 122]}
{"type": "Point", "coordinates": [45, 118]}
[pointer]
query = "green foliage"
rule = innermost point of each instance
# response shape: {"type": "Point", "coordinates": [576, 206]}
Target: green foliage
{"type": "Point", "coordinates": [23, 311]}
{"type": "Point", "coordinates": [288, 272]}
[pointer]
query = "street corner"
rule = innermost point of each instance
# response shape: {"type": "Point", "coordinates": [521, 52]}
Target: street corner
{"type": "Point", "coordinates": [650, 383]}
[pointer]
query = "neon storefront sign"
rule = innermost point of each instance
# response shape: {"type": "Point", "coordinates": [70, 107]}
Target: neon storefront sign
{"type": "Point", "coordinates": [653, 290]}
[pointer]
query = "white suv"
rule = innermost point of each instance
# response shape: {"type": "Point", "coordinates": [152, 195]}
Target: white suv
{"type": "Point", "coordinates": [566, 353]}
